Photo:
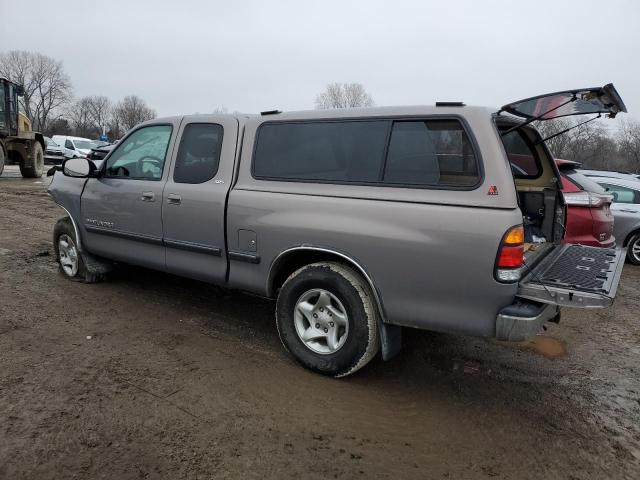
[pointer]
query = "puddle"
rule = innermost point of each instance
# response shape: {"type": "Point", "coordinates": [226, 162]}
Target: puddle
{"type": "Point", "coordinates": [549, 347]}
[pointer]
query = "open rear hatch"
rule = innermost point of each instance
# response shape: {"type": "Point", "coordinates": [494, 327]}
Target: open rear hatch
{"type": "Point", "coordinates": [567, 275]}
{"type": "Point", "coordinates": [582, 101]}
{"type": "Point", "coordinates": [574, 276]}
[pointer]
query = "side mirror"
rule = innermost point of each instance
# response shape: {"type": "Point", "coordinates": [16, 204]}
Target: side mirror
{"type": "Point", "coordinates": [78, 168]}
{"type": "Point", "coordinates": [20, 90]}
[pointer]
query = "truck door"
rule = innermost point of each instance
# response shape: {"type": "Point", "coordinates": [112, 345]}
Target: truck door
{"type": "Point", "coordinates": [122, 209]}
{"type": "Point", "coordinates": [193, 211]}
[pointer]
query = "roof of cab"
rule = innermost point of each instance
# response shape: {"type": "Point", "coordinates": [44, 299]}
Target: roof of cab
{"type": "Point", "coordinates": [369, 112]}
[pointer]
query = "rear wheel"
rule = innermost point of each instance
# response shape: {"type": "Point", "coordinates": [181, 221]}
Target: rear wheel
{"type": "Point", "coordinates": [37, 165]}
{"type": "Point", "coordinates": [327, 319]}
{"type": "Point", "coordinates": [633, 249]}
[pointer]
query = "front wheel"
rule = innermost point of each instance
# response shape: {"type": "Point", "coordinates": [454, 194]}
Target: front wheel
{"type": "Point", "coordinates": [327, 318]}
{"type": "Point", "coordinates": [1, 159]}
{"type": "Point", "coordinates": [633, 249]}
{"type": "Point", "coordinates": [71, 262]}
{"type": "Point", "coordinates": [36, 168]}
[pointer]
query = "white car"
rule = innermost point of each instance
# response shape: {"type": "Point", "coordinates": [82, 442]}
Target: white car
{"type": "Point", "coordinates": [604, 173]}
{"type": "Point", "coordinates": [74, 147]}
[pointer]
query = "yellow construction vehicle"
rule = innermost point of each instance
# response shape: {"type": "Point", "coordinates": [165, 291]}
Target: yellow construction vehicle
{"type": "Point", "coordinates": [18, 142]}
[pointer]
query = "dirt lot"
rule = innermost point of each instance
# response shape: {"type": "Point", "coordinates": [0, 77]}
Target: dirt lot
{"type": "Point", "coordinates": [152, 376]}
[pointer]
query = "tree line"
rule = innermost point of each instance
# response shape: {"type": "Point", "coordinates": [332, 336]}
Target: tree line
{"type": "Point", "coordinates": [593, 144]}
{"type": "Point", "coordinates": [49, 103]}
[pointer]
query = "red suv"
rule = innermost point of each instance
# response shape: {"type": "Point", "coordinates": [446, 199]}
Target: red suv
{"type": "Point", "coordinates": [589, 219]}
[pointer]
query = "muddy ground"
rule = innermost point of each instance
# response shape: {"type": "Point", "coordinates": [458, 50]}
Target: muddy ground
{"type": "Point", "coordinates": [153, 376]}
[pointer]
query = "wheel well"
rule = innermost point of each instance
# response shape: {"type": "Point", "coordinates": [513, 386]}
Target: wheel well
{"type": "Point", "coordinates": [40, 139]}
{"type": "Point", "coordinates": [289, 262]}
{"type": "Point", "coordinates": [630, 236]}
{"type": "Point", "coordinates": [292, 261]}
{"type": "Point", "coordinates": [14, 156]}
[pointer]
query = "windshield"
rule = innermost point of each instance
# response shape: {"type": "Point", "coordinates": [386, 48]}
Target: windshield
{"type": "Point", "coordinates": [51, 142]}
{"type": "Point", "coordinates": [85, 144]}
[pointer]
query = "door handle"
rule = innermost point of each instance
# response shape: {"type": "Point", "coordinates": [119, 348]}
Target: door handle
{"type": "Point", "coordinates": [147, 197]}
{"type": "Point", "coordinates": [174, 199]}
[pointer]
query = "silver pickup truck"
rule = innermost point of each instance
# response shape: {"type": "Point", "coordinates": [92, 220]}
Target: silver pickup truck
{"type": "Point", "coordinates": [360, 222]}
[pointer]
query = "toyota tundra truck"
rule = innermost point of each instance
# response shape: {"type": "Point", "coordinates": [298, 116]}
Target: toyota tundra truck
{"type": "Point", "coordinates": [360, 223]}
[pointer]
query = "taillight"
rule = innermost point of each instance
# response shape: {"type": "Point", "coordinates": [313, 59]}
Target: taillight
{"type": "Point", "coordinates": [586, 199]}
{"type": "Point", "coordinates": [510, 255]}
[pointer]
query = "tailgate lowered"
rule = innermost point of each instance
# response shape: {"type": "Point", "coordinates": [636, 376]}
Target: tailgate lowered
{"type": "Point", "coordinates": [575, 276]}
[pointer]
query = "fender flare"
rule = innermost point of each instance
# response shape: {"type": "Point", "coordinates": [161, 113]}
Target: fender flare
{"type": "Point", "coordinates": [75, 229]}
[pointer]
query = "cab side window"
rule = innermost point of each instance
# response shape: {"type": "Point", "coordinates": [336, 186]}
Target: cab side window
{"type": "Point", "coordinates": [141, 155]}
{"type": "Point", "coordinates": [199, 153]}
{"type": "Point", "coordinates": [69, 145]}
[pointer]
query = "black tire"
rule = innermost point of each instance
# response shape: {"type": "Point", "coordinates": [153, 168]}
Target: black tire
{"type": "Point", "coordinates": [64, 228]}
{"type": "Point", "coordinates": [37, 165]}
{"type": "Point", "coordinates": [355, 295]}
{"type": "Point", "coordinates": [1, 159]}
{"type": "Point", "coordinates": [634, 243]}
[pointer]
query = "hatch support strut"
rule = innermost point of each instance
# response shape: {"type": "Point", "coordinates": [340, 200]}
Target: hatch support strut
{"type": "Point", "coordinates": [539, 117]}
{"type": "Point", "coordinates": [567, 129]}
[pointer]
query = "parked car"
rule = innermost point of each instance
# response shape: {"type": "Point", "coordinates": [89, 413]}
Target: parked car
{"type": "Point", "coordinates": [589, 217]}
{"type": "Point", "coordinates": [626, 210]}
{"type": "Point", "coordinates": [74, 147]}
{"type": "Point", "coordinates": [604, 173]}
{"type": "Point", "coordinates": [53, 153]}
{"type": "Point", "coordinates": [97, 154]}
{"type": "Point", "coordinates": [359, 222]}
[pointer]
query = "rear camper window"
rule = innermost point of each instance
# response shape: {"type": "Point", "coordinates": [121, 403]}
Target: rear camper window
{"type": "Point", "coordinates": [411, 153]}
{"type": "Point", "coordinates": [431, 152]}
{"type": "Point", "coordinates": [522, 155]}
{"type": "Point", "coordinates": [321, 151]}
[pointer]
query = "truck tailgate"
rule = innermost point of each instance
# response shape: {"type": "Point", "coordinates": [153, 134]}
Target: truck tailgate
{"type": "Point", "coordinates": [575, 276]}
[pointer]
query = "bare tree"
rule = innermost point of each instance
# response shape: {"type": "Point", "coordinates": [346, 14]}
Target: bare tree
{"type": "Point", "coordinates": [46, 86]}
{"type": "Point", "coordinates": [559, 145]}
{"type": "Point", "coordinates": [628, 138]}
{"type": "Point", "coordinates": [100, 111]}
{"type": "Point", "coordinates": [89, 115]}
{"type": "Point", "coordinates": [129, 112]}
{"type": "Point", "coordinates": [590, 143]}
{"type": "Point", "coordinates": [338, 95]}
{"type": "Point", "coordinates": [79, 114]}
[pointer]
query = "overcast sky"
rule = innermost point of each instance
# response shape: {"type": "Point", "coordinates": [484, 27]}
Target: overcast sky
{"type": "Point", "coordinates": [193, 56]}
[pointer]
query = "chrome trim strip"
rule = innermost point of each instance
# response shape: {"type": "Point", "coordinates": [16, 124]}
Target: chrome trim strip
{"type": "Point", "coordinates": [192, 247]}
{"type": "Point", "coordinates": [243, 257]}
{"type": "Point", "coordinates": [126, 235]}
{"type": "Point", "coordinates": [361, 269]}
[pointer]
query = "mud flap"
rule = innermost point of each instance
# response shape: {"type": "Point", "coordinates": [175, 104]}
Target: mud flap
{"type": "Point", "coordinates": [390, 339]}
{"type": "Point", "coordinates": [575, 276]}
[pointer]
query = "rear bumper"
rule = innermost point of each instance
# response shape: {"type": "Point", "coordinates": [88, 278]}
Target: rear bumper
{"type": "Point", "coordinates": [523, 319]}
